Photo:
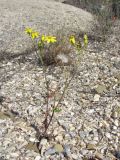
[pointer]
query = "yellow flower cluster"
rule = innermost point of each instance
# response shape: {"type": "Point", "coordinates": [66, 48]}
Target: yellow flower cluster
{"type": "Point", "coordinates": [77, 44]}
{"type": "Point", "coordinates": [48, 39]}
{"type": "Point", "coordinates": [51, 39]}
{"type": "Point", "coordinates": [33, 34]}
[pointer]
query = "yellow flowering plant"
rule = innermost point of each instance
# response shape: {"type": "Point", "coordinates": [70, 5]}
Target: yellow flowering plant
{"type": "Point", "coordinates": [42, 42]}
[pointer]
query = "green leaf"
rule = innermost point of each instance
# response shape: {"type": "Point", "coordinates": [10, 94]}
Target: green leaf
{"type": "Point", "coordinates": [57, 110]}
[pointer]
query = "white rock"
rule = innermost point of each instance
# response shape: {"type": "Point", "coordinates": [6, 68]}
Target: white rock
{"type": "Point", "coordinates": [59, 138]}
{"type": "Point", "coordinates": [114, 127]}
{"type": "Point", "coordinates": [96, 97]}
{"type": "Point", "coordinates": [108, 135]}
{"type": "Point", "coordinates": [33, 139]}
{"type": "Point", "coordinates": [44, 142]}
{"type": "Point", "coordinates": [38, 158]}
{"type": "Point", "coordinates": [116, 122]}
{"type": "Point", "coordinates": [14, 154]}
{"type": "Point", "coordinates": [74, 156]}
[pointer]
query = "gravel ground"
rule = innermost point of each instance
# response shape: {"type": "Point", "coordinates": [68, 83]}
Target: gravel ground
{"type": "Point", "coordinates": [88, 125]}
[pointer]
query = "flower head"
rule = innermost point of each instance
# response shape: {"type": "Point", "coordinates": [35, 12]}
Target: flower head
{"type": "Point", "coordinates": [34, 35]}
{"type": "Point", "coordinates": [85, 39]}
{"type": "Point", "coordinates": [43, 38]}
{"type": "Point", "coordinates": [29, 31]}
{"type": "Point", "coordinates": [50, 39]}
{"type": "Point", "coordinates": [72, 40]}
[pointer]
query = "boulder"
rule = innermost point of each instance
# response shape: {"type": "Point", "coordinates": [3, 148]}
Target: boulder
{"type": "Point", "coordinates": [45, 16]}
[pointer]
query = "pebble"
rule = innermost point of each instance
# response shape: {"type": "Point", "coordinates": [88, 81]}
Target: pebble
{"type": "Point", "coordinates": [44, 142]}
{"type": "Point", "coordinates": [58, 148]}
{"type": "Point", "coordinates": [50, 151]}
{"type": "Point", "coordinates": [59, 138]}
{"type": "Point", "coordinates": [74, 156]}
{"type": "Point", "coordinates": [37, 158]}
{"type": "Point", "coordinates": [96, 98]}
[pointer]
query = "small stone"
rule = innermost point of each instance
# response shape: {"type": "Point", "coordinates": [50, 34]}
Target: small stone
{"type": "Point", "coordinates": [1, 134]}
{"type": "Point", "coordinates": [58, 148]}
{"type": "Point", "coordinates": [108, 135]}
{"type": "Point", "coordinates": [74, 156]}
{"type": "Point", "coordinates": [82, 134]}
{"type": "Point", "coordinates": [111, 156]}
{"type": "Point", "coordinates": [105, 124]}
{"type": "Point", "coordinates": [67, 151]}
{"type": "Point", "coordinates": [91, 146]}
{"type": "Point", "coordinates": [50, 151]}
{"type": "Point", "coordinates": [99, 156]}
{"type": "Point", "coordinates": [84, 151]}
{"type": "Point", "coordinates": [116, 122]}
{"type": "Point", "coordinates": [59, 138]}
{"type": "Point", "coordinates": [38, 158]}
{"type": "Point", "coordinates": [44, 142]}
{"type": "Point", "coordinates": [115, 127]}
{"type": "Point", "coordinates": [100, 89]}
{"type": "Point", "coordinates": [72, 128]}
{"type": "Point", "coordinates": [96, 139]}
{"type": "Point", "coordinates": [33, 139]}
{"type": "Point", "coordinates": [96, 98]}
{"type": "Point", "coordinates": [114, 114]}
{"type": "Point", "coordinates": [14, 154]}
{"type": "Point", "coordinates": [82, 144]}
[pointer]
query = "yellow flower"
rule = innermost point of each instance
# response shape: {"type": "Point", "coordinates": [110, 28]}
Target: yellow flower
{"type": "Point", "coordinates": [72, 40]}
{"type": "Point", "coordinates": [43, 38]}
{"type": "Point", "coordinates": [28, 31]}
{"type": "Point", "coordinates": [50, 39]}
{"type": "Point", "coordinates": [85, 39]}
{"type": "Point", "coordinates": [34, 35]}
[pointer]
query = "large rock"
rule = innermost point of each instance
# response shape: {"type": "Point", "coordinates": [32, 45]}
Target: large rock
{"type": "Point", "coordinates": [46, 16]}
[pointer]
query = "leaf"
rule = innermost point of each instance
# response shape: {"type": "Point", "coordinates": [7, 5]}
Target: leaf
{"type": "Point", "coordinates": [57, 110]}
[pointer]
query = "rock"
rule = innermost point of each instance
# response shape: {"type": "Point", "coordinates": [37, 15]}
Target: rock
{"type": "Point", "coordinates": [67, 151]}
{"type": "Point", "coordinates": [14, 155]}
{"type": "Point", "coordinates": [105, 124]}
{"type": "Point", "coordinates": [100, 89]}
{"type": "Point", "coordinates": [117, 65]}
{"type": "Point", "coordinates": [72, 128]}
{"type": "Point", "coordinates": [32, 147]}
{"type": "Point", "coordinates": [96, 98]}
{"type": "Point", "coordinates": [31, 139]}
{"type": "Point", "coordinates": [59, 138]}
{"type": "Point", "coordinates": [116, 122]}
{"type": "Point", "coordinates": [37, 158]}
{"type": "Point", "coordinates": [108, 135]}
{"type": "Point", "coordinates": [58, 148]}
{"type": "Point", "coordinates": [74, 156]}
{"type": "Point", "coordinates": [99, 156]}
{"type": "Point", "coordinates": [44, 142]}
{"type": "Point", "coordinates": [50, 151]}
{"type": "Point", "coordinates": [91, 146]}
